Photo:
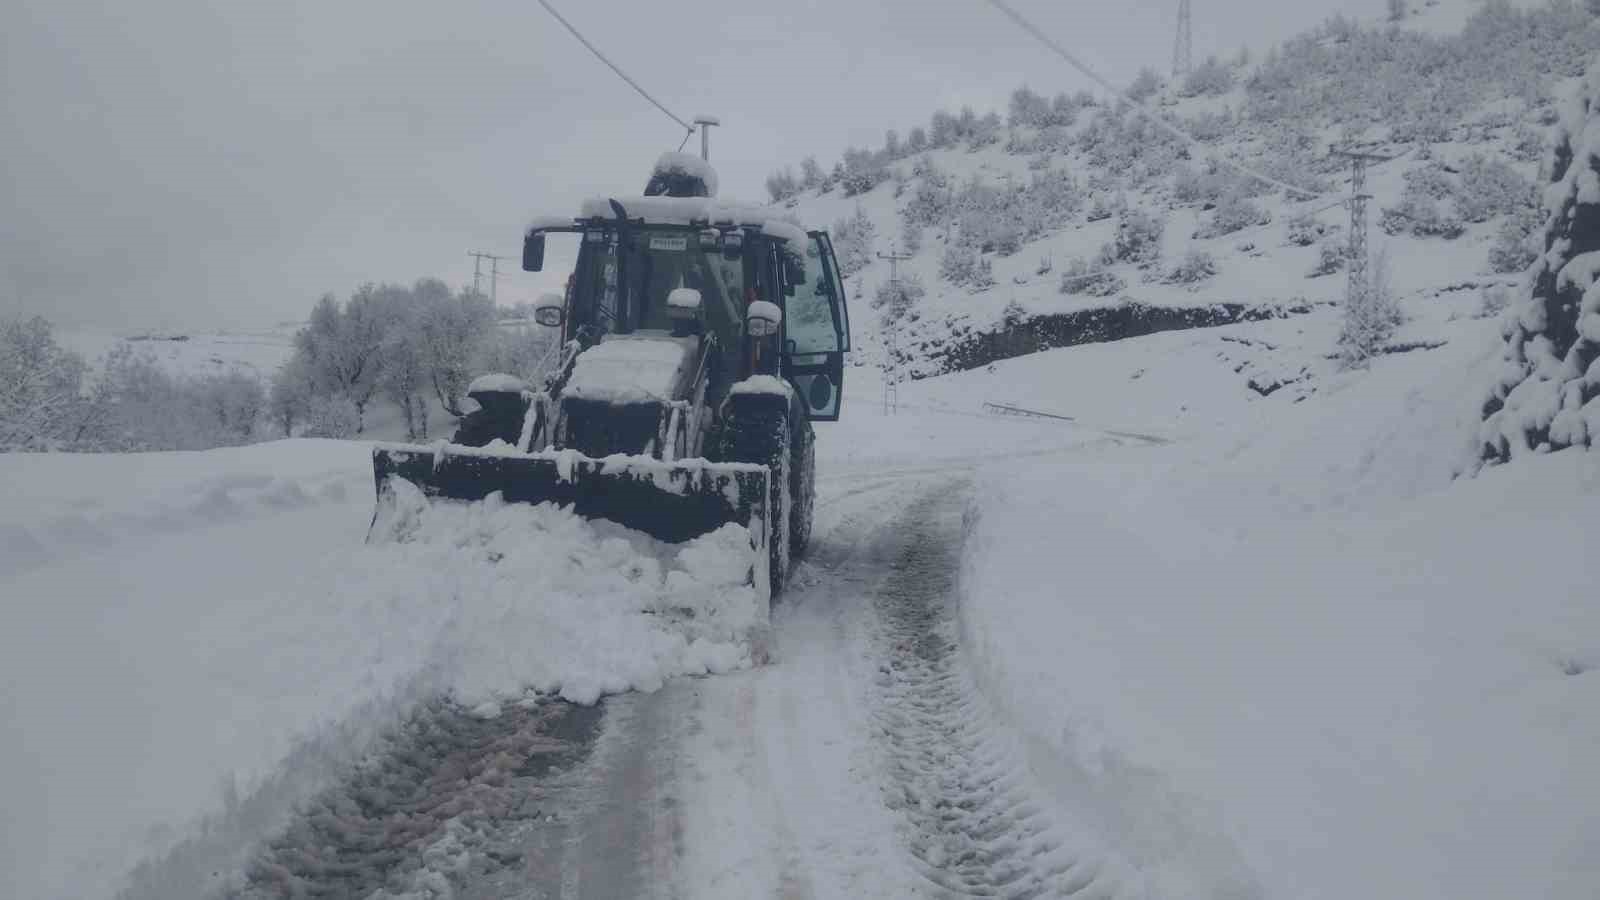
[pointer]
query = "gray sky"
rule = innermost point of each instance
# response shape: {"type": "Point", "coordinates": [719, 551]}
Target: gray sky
{"type": "Point", "coordinates": [176, 164]}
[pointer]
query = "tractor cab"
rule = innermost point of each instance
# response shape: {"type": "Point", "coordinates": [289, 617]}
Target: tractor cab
{"type": "Point", "coordinates": [759, 294]}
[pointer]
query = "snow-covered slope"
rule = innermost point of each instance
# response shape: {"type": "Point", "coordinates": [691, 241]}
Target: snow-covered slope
{"type": "Point", "coordinates": [980, 188]}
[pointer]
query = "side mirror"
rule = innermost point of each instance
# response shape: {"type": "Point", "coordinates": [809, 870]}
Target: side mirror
{"type": "Point", "coordinates": [794, 270]}
{"type": "Point", "coordinates": [683, 303]}
{"type": "Point", "coordinates": [550, 311]}
{"type": "Point", "coordinates": [763, 318]}
{"type": "Point", "coordinates": [733, 244]}
{"type": "Point", "coordinates": [533, 252]}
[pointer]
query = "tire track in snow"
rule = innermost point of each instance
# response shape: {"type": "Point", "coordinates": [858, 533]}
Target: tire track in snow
{"type": "Point", "coordinates": [442, 804]}
{"type": "Point", "coordinates": [959, 785]}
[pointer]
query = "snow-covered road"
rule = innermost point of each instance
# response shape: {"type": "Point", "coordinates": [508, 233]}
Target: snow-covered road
{"type": "Point", "coordinates": [857, 764]}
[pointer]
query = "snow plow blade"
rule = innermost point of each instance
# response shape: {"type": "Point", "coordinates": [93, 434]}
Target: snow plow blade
{"type": "Point", "coordinates": [670, 501]}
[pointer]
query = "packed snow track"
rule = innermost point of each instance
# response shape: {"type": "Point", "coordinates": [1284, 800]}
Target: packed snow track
{"type": "Point", "coordinates": [860, 762]}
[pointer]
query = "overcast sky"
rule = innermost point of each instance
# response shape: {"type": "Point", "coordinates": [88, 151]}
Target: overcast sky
{"type": "Point", "coordinates": [173, 164]}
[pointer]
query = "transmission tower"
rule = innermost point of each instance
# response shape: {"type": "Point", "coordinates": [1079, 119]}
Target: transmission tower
{"type": "Point", "coordinates": [494, 272]}
{"type": "Point", "coordinates": [891, 379]}
{"type": "Point", "coordinates": [1356, 286]}
{"type": "Point", "coordinates": [1183, 49]}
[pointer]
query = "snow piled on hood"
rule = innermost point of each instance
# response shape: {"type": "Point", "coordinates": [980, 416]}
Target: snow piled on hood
{"type": "Point", "coordinates": [515, 597]}
{"type": "Point", "coordinates": [643, 367]}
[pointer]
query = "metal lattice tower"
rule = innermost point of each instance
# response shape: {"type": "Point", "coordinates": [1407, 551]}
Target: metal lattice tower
{"type": "Point", "coordinates": [1356, 286]}
{"type": "Point", "coordinates": [1183, 49]}
{"type": "Point", "coordinates": [494, 275]}
{"type": "Point", "coordinates": [891, 378]}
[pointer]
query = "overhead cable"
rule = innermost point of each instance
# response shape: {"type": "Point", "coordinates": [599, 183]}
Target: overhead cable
{"type": "Point", "coordinates": [614, 67]}
{"type": "Point", "coordinates": [1138, 105]}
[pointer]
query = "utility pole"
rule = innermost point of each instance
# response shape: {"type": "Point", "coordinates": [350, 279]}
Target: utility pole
{"type": "Point", "coordinates": [494, 272]}
{"type": "Point", "coordinates": [1183, 49]}
{"type": "Point", "coordinates": [1356, 286]}
{"type": "Point", "coordinates": [891, 387]}
{"type": "Point", "coordinates": [706, 123]}
{"type": "Point", "coordinates": [894, 264]}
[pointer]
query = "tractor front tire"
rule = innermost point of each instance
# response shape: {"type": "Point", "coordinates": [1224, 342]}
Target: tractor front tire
{"type": "Point", "coordinates": [802, 489]}
{"type": "Point", "coordinates": [758, 431]}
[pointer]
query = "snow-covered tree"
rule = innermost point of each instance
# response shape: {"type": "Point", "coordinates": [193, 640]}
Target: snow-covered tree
{"type": "Point", "coordinates": [1210, 77]}
{"type": "Point", "coordinates": [40, 384]}
{"type": "Point", "coordinates": [1138, 238]}
{"type": "Point", "coordinates": [810, 173]}
{"type": "Point", "coordinates": [1514, 248]}
{"type": "Point", "coordinates": [1234, 213]}
{"type": "Point", "coordinates": [853, 242]}
{"type": "Point", "coordinates": [289, 398]}
{"type": "Point", "coordinates": [404, 379]}
{"type": "Point", "coordinates": [1397, 10]}
{"type": "Point", "coordinates": [1548, 392]}
{"type": "Point", "coordinates": [896, 298]}
{"type": "Point", "coordinates": [342, 347]}
{"type": "Point", "coordinates": [1090, 277]}
{"type": "Point", "coordinates": [782, 185]}
{"type": "Point", "coordinates": [453, 330]}
{"type": "Point", "coordinates": [228, 407]}
{"type": "Point", "coordinates": [1145, 84]}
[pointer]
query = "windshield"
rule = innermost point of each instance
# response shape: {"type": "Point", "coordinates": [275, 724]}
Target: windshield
{"type": "Point", "coordinates": [651, 264]}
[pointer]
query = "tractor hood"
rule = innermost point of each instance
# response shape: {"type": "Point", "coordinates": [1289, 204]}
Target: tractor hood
{"type": "Point", "coordinates": [644, 367]}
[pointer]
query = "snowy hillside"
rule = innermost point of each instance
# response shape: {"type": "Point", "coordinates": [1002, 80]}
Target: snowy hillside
{"type": "Point", "coordinates": [1016, 216]}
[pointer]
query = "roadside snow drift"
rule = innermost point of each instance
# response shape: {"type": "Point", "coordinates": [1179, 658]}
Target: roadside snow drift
{"type": "Point", "coordinates": [200, 640]}
{"type": "Point", "coordinates": [1292, 658]}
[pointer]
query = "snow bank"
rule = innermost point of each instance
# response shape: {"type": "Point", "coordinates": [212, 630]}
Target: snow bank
{"type": "Point", "coordinates": [1292, 658]}
{"type": "Point", "coordinates": [632, 368]}
{"type": "Point", "coordinates": [213, 669]}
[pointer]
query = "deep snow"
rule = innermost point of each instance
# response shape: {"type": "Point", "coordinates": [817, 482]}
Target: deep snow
{"type": "Point", "coordinates": [1289, 656]}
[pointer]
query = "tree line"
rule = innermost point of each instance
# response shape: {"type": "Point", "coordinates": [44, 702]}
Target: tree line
{"type": "Point", "coordinates": [417, 347]}
{"type": "Point", "coordinates": [403, 345]}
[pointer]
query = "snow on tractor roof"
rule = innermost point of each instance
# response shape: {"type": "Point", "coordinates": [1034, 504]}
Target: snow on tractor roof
{"type": "Point", "coordinates": [700, 210]}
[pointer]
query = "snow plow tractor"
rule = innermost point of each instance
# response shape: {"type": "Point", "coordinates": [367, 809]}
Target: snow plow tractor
{"type": "Point", "coordinates": [700, 340]}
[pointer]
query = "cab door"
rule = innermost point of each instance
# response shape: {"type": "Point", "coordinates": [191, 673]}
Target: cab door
{"type": "Point", "coordinates": [816, 326]}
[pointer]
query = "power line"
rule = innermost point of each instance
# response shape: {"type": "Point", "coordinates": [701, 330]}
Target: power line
{"type": "Point", "coordinates": [1033, 30]}
{"type": "Point", "coordinates": [621, 74]}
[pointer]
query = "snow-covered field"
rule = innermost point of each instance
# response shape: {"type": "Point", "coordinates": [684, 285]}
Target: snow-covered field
{"type": "Point", "coordinates": [202, 353]}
